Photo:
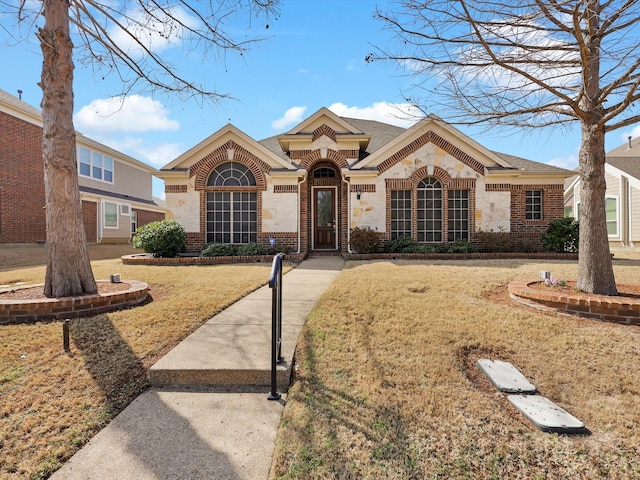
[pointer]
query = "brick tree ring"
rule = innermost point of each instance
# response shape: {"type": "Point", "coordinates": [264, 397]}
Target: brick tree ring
{"type": "Point", "coordinates": [20, 305]}
{"type": "Point", "coordinates": [623, 308]}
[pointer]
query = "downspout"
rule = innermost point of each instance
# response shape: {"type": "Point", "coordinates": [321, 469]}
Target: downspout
{"type": "Point", "coordinates": [349, 215]}
{"type": "Point", "coordinates": [299, 217]}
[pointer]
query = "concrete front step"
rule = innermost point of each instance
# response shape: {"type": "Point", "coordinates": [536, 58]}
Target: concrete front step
{"type": "Point", "coordinates": [233, 349]}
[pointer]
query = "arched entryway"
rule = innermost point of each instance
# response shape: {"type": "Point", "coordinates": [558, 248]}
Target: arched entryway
{"type": "Point", "coordinates": [325, 205]}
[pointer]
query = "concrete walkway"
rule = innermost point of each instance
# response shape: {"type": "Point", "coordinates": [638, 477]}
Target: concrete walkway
{"type": "Point", "coordinates": [207, 415]}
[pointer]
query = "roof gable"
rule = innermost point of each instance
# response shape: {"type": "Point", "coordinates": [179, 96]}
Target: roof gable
{"type": "Point", "coordinates": [227, 135]}
{"type": "Point", "coordinates": [326, 117]}
{"type": "Point", "coordinates": [433, 130]}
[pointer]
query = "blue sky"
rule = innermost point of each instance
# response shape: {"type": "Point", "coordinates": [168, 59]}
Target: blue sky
{"type": "Point", "coordinates": [312, 56]}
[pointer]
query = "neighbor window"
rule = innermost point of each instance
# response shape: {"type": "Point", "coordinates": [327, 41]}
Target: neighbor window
{"type": "Point", "coordinates": [568, 212]}
{"type": "Point", "coordinates": [611, 209]}
{"type": "Point", "coordinates": [533, 205]}
{"type": "Point", "coordinates": [95, 165]}
{"type": "Point", "coordinates": [110, 215]}
{"type": "Point", "coordinates": [400, 213]}
{"type": "Point", "coordinates": [458, 209]}
{"type": "Point", "coordinates": [232, 216]}
{"type": "Point", "coordinates": [134, 221]}
{"type": "Point", "coordinates": [429, 210]}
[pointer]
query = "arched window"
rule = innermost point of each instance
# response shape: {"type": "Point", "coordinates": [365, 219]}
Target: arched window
{"type": "Point", "coordinates": [232, 216]}
{"type": "Point", "coordinates": [429, 210]}
{"type": "Point", "coordinates": [231, 174]}
{"type": "Point", "coordinates": [324, 172]}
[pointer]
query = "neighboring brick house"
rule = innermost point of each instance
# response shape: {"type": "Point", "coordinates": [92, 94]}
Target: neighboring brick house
{"type": "Point", "coordinates": [308, 188]}
{"type": "Point", "coordinates": [622, 197]}
{"type": "Point", "coordinates": [116, 190]}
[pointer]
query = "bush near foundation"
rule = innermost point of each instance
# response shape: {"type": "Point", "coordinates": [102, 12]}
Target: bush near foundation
{"type": "Point", "coordinates": [563, 235]}
{"type": "Point", "coordinates": [218, 249]}
{"type": "Point", "coordinates": [164, 238]}
{"type": "Point", "coordinates": [364, 240]}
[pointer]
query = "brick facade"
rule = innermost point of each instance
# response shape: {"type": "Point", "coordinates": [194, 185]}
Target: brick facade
{"type": "Point", "coordinates": [90, 221]}
{"type": "Point", "coordinates": [363, 182]}
{"type": "Point", "coordinates": [22, 195]}
{"type": "Point", "coordinates": [22, 213]}
{"type": "Point", "coordinates": [147, 216]}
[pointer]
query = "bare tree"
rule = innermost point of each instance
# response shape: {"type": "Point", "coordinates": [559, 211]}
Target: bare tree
{"type": "Point", "coordinates": [537, 63]}
{"type": "Point", "coordinates": [125, 38]}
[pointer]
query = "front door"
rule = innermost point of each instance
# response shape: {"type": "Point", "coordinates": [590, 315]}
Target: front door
{"type": "Point", "coordinates": [324, 219]}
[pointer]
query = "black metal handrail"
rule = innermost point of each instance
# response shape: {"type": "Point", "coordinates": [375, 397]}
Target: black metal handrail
{"type": "Point", "coordinates": [275, 283]}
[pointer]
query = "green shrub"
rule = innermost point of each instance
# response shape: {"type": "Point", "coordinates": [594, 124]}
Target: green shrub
{"type": "Point", "coordinates": [426, 248]}
{"type": "Point", "coordinates": [462, 246]}
{"type": "Point", "coordinates": [275, 249]}
{"type": "Point", "coordinates": [219, 250]}
{"type": "Point", "coordinates": [364, 240]}
{"type": "Point", "coordinates": [562, 235]}
{"type": "Point", "coordinates": [401, 245]}
{"type": "Point", "coordinates": [165, 238]}
{"type": "Point", "coordinates": [252, 249]}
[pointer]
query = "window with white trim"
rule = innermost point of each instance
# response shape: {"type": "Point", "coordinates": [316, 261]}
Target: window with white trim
{"type": "Point", "coordinates": [611, 212]}
{"type": "Point", "coordinates": [400, 213]}
{"type": "Point", "coordinates": [95, 165]}
{"type": "Point", "coordinates": [533, 205]}
{"type": "Point", "coordinates": [125, 209]}
{"type": "Point", "coordinates": [134, 221]}
{"type": "Point", "coordinates": [110, 215]}
{"type": "Point", "coordinates": [429, 210]}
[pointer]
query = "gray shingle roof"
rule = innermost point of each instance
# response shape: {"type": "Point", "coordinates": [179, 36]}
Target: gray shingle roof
{"type": "Point", "coordinates": [383, 133]}
{"type": "Point", "coordinates": [530, 165]}
{"type": "Point", "coordinates": [629, 165]}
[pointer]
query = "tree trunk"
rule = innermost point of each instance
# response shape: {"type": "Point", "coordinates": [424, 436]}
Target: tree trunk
{"type": "Point", "coordinates": [68, 266]}
{"type": "Point", "coordinates": [595, 269]}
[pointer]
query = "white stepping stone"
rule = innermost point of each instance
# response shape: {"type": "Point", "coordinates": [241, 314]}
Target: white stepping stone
{"type": "Point", "coordinates": [505, 377]}
{"type": "Point", "coordinates": [546, 415]}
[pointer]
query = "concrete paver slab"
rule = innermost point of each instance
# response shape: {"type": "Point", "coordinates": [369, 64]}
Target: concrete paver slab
{"type": "Point", "coordinates": [182, 435]}
{"type": "Point", "coordinates": [546, 415]}
{"type": "Point", "coordinates": [505, 377]}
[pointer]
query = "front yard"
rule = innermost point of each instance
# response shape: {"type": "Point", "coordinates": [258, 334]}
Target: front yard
{"type": "Point", "coordinates": [53, 402]}
{"type": "Point", "coordinates": [387, 385]}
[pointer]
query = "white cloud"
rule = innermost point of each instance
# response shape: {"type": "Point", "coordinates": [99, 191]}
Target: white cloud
{"type": "Point", "coordinates": [155, 30]}
{"type": "Point", "coordinates": [570, 162]}
{"type": "Point", "coordinates": [132, 113]}
{"type": "Point", "coordinates": [291, 117]}
{"type": "Point", "coordinates": [156, 154]}
{"type": "Point", "coordinates": [399, 114]}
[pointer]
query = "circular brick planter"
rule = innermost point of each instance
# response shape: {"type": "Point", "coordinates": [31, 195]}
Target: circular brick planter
{"type": "Point", "coordinates": [619, 309]}
{"type": "Point", "coordinates": [30, 311]}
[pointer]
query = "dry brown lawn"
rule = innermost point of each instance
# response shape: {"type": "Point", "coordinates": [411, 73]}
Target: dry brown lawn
{"type": "Point", "coordinates": [387, 385]}
{"type": "Point", "coordinates": [52, 402]}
